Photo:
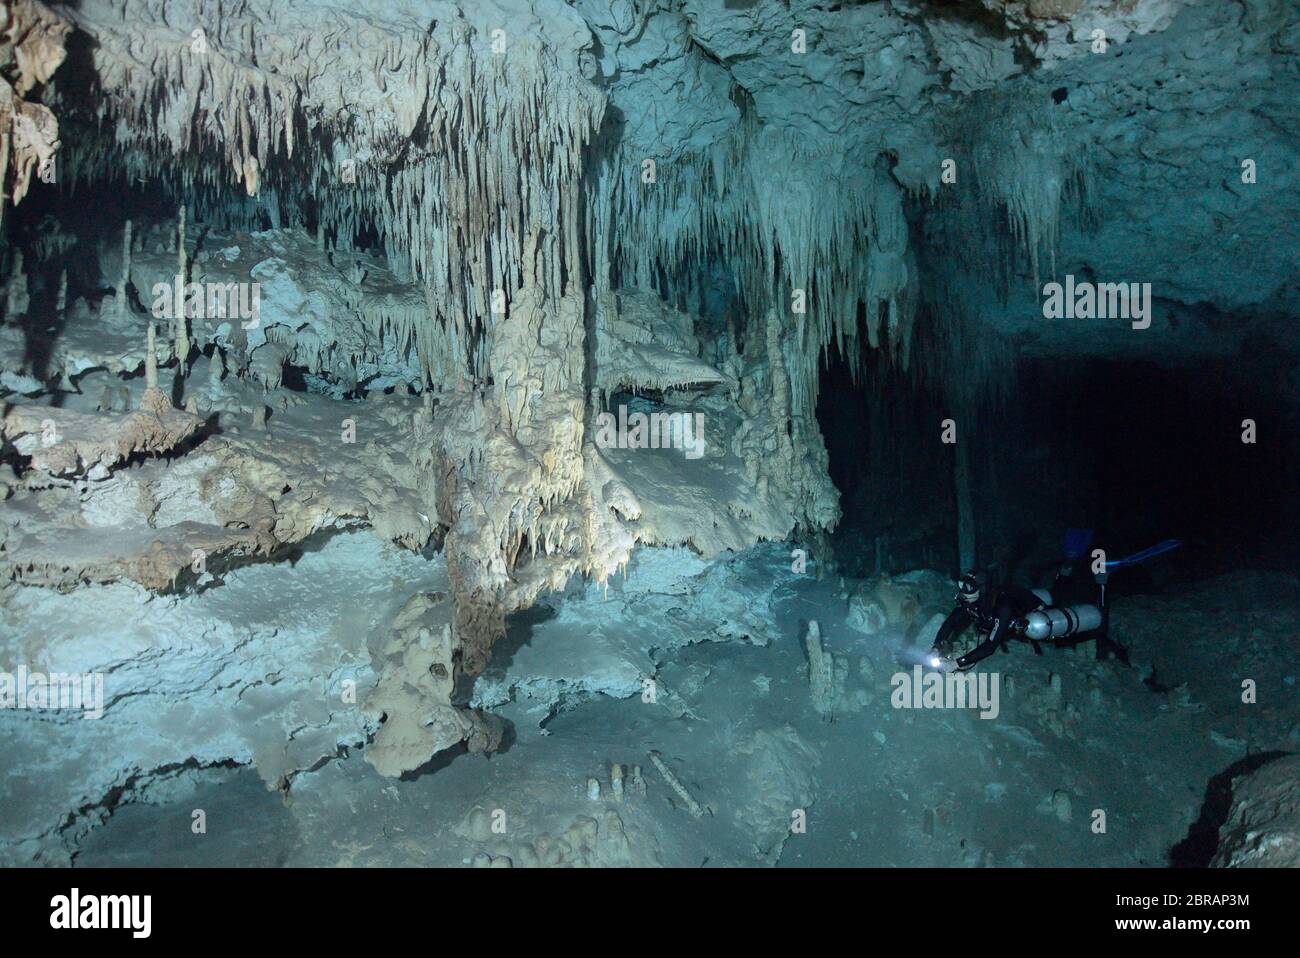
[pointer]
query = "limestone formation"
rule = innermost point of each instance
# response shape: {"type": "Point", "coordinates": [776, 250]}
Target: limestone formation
{"type": "Point", "coordinates": [435, 380]}
{"type": "Point", "coordinates": [821, 672]}
{"type": "Point", "coordinates": [413, 699]}
{"type": "Point", "coordinates": [1262, 829]}
{"type": "Point", "coordinates": [675, 783]}
{"type": "Point", "coordinates": [32, 40]}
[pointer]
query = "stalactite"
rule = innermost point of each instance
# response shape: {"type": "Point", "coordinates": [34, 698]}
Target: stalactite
{"type": "Point", "coordinates": [970, 364]}
{"type": "Point", "coordinates": [6, 123]}
{"type": "Point", "coordinates": [780, 385]}
{"type": "Point", "coordinates": [125, 276]}
{"type": "Point", "coordinates": [835, 255]}
{"type": "Point", "coordinates": [965, 506]}
{"type": "Point", "coordinates": [180, 330]}
{"type": "Point", "coordinates": [17, 296]}
{"type": "Point", "coordinates": [1026, 172]}
{"type": "Point", "coordinates": [453, 218]}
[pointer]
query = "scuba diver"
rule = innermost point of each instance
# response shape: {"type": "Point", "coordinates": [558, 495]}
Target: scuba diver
{"type": "Point", "coordinates": [1034, 614]}
{"type": "Point", "coordinates": [996, 617]}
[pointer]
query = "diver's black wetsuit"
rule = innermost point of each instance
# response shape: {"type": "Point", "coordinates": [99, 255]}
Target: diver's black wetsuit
{"type": "Point", "coordinates": [994, 617]}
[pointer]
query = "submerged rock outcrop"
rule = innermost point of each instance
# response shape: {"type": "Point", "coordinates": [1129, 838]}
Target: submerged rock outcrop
{"type": "Point", "coordinates": [1263, 825]}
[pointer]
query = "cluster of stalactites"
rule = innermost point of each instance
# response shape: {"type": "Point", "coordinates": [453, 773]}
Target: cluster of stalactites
{"type": "Point", "coordinates": [90, 160]}
{"type": "Point", "coordinates": [192, 92]}
{"type": "Point", "coordinates": [468, 152]}
{"type": "Point", "coordinates": [817, 255]}
{"type": "Point", "coordinates": [834, 233]}
{"type": "Point", "coordinates": [998, 225]}
{"type": "Point", "coordinates": [1027, 175]}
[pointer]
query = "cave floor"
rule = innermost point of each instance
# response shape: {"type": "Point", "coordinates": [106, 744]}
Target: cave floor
{"type": "Point", "coordinates": [877, 785]}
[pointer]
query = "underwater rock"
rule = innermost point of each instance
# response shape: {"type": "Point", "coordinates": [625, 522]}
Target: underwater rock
{"type": "Point", "coordinates": [1263, 825]}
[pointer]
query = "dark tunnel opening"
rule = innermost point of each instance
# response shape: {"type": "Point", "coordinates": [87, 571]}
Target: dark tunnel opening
{"type": "Point", "coordinates": [1135, 451]}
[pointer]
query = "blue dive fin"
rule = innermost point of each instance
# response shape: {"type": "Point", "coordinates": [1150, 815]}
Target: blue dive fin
{"type": "Point", "coordinates": [1159, 549]}
{"type": "Point", "coordinates": [1076, 543]}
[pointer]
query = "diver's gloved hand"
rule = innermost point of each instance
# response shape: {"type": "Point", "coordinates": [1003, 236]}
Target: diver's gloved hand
{"type": "Point", "coordinates": [942, 660]}
{"type": "Point", "coordinates": [938, 660]}
{"type": "Point", "coordinates": [961, 665]}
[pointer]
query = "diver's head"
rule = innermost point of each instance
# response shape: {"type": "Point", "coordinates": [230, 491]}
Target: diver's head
{"type": "Point", "coordinates": [968, 588]}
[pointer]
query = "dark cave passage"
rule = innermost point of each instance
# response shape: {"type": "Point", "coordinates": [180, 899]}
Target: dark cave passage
{"type": "Point", "coordinates": [893, 473]}
{"type": "Point", "coordinates": [1137, 452]}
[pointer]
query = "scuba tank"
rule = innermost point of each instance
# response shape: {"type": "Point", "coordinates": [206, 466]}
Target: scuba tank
{"type": "Point", "coordinates": [1052, 623]}
{"type": "Point", "coordinates": [1056, 623]}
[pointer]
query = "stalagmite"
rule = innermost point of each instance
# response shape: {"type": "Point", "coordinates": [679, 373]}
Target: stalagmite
{"type": "Point", "coordinates": [675, 783]}
{"type": "Point", "coordinates": [1061, 805]}
{"type": "Point", "coordinates": [821, 672]}
{"type": "Point", "coordinates": [216, 370]}
{"type": "Point", "coordinates": [150, 359]}
{"type": "Point", "coordinates": [780, 384]}
{"type": "Point", "coordinates": [154, 399]}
